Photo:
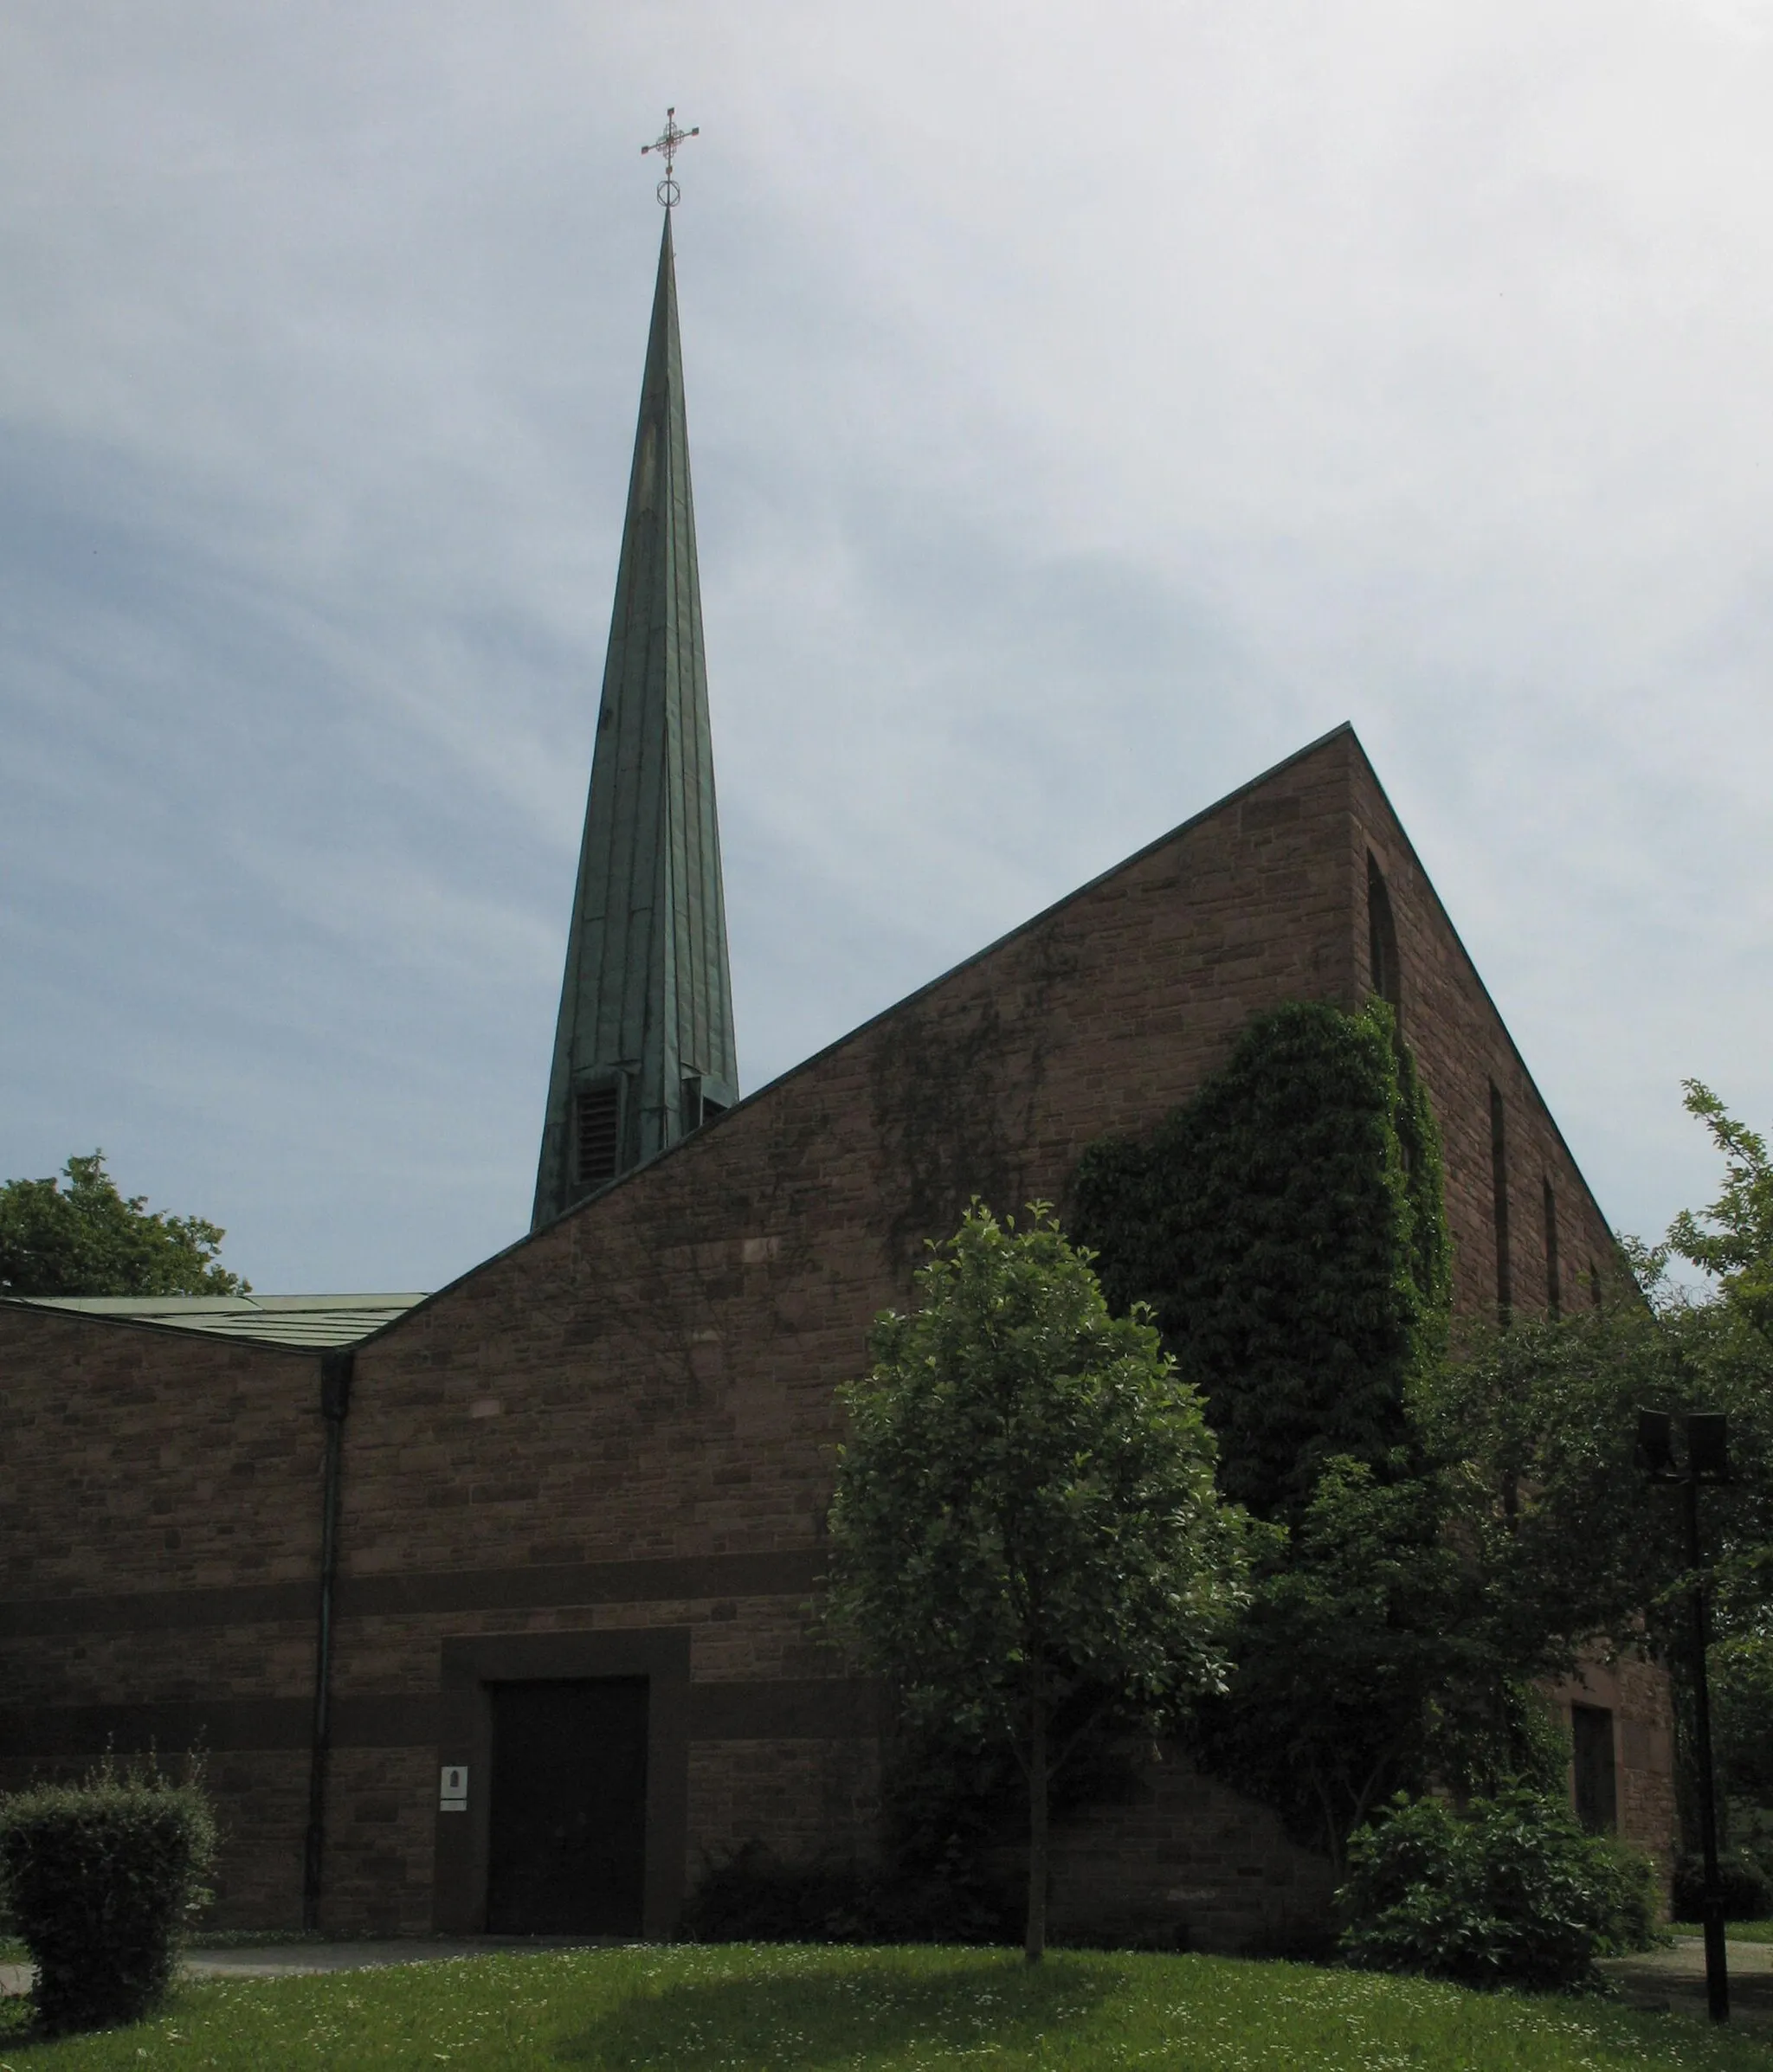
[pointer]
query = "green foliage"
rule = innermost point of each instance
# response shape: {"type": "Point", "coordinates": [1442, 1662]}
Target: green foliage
{"type": "Point", "coordinates": [1721, 1352]}
{"type": "Point", "coordinates": [1362, 1664]}
{"type": "Point", "coordinates": [1372, 1659]}
{"type": "Point", "coordinates": [86, 1239]}
{"type": "Point", "coordinates": [1508, 1891]}
{"type": "Point", "coordinates": [1742, 1882]}
{"type": "Point", "coordinates": [101, 1879]}
{"type": "Point", "coordinates": [1733, 1239]}
{"type": "Point", "coordinates": [695, 2009]}
{"type": "Point", "coordinates": [1025, 1494]}
{"type": "Point", "coordinates": [1742, 1735]}
{"type": "Point", "coordinates": [1530, 1430]}
{"type": "Point", "coordinates": [1742, 1715]}
{"type": "Point", "coordinates": [1025, 1531]}
{"type": "Point", "coordinates": [1285, 1225]}
{"type": "Point", "coordinates": [1717, 1348]}
{"type": "Point", "coordinates": [1287, 1228]}
{"type": "Point", "coordinates": [1716, 1352]}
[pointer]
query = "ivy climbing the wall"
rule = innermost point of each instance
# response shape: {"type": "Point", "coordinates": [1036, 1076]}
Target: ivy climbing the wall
{"type": "Point", "coordinates": [1286, 1228]}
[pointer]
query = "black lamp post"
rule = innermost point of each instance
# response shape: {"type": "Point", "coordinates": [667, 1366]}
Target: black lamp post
{"type": "Point", "coordinates": [1707, 1461]}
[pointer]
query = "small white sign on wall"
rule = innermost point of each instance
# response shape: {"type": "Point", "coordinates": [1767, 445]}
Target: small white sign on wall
{"type": "Point", "coordinates": [452, 1789]}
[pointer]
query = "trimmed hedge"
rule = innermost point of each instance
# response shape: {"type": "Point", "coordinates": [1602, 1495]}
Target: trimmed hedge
{"type": "Point", "coordinates": [101, 1878]}
{"type": "Point", "coordinates": [1510, 1891]}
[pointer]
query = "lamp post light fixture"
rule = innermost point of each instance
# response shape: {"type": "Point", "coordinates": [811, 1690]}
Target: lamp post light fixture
{"type": "Point", "coordinates": [1707, 1464]}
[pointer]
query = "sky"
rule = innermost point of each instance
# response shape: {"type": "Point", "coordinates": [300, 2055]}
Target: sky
{"type": "Point", "coordinates": [1089, 406]}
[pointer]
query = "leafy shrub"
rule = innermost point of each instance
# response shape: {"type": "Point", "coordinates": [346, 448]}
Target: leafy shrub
{"type": "Point", "coordinates": [101, 1878]}
{"type": "Point", "coordinates": [752, 1896]}
{"type": "Point", "coordinates": [1508, 1892]}
{"type": "Point", "coordinates": [1746, 1892]}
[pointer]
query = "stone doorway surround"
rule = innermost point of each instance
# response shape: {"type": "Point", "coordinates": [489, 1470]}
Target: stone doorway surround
{"type": "Point", "coordinates": [470, 1667]}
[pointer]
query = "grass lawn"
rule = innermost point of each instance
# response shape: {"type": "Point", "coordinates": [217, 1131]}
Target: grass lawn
{"type": "Point", "coordinates": [1735, 1931]}
{"type": "Point", "coordinates": [798, 2010]}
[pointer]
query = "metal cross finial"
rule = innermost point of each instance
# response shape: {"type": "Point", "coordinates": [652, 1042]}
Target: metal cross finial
{"type": "Point", "coordinates": [667, 140]}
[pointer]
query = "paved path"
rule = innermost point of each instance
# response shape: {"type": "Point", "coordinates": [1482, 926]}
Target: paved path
{"type": "Point", "coordinates": [300, 1960]}
{"type": "Point", "coordinates": [1675, 1979]}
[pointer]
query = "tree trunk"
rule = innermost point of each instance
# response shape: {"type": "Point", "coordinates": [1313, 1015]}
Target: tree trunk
{"type": "Point", "coordinates": [1034, 1940]}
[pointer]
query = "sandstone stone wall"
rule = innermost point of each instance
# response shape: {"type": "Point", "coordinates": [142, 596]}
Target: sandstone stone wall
{"type": "Point", "coordinates": [1637, 1695]}
{"type": "Point", "coordinates": [1186, 1863]}
{"type": "Point", "coordinates": [620, 1430]}
{"type": "Point", "coordinates": [159, 1526]}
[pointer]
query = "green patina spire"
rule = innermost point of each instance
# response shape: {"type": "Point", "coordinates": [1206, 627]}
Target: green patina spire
{"type": "Point", "coordinates": [643, 1052]}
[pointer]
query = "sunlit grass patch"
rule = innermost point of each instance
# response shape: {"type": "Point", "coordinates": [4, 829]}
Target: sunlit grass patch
{"type": "Point", "coordinates": [807, 2009]}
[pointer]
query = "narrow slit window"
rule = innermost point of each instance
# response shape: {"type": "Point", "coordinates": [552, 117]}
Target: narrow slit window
{"type": "Point", "coordinates": [1382, 940]}
{"type": "Point", "coordinates": [596, 1120]}
{"type": "Point", "coordinates": [1593, 1774]}
{"type": "Point", "coordinates": [1499, 1184]}
{"type": "Point", "coordinates": [1554, 1282]}
{"type": "Point", "coordinates": [1594, 1285]}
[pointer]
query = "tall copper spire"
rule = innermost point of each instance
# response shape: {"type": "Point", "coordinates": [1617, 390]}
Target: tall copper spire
{"type": "Point", "coordinates": [643, 1052]}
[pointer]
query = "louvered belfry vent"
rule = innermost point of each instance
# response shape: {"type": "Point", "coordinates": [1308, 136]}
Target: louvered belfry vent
{"type": "Point", "coordinates": [598, 1118]}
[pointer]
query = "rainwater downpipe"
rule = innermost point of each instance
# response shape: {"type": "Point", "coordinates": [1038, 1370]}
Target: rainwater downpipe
{"type": "Point", "coordinates": [335, 1402]}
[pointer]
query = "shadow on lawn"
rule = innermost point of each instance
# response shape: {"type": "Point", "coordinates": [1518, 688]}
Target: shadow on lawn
{"type": "Point", "coordinates": [799, 2023]}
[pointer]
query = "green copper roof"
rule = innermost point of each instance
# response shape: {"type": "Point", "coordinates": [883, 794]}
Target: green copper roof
{"type": "Point", "coordinates": [644, 1045]}
{"type": "Point", "coordinates": [291, 1320]}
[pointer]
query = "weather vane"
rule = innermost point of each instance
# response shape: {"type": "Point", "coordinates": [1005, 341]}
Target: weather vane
{"type": "Point", "coordinates": [667, 141]}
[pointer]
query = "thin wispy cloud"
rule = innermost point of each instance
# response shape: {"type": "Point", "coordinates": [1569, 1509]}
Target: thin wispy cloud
{"type": "Point", "coordinates": [1088, 408]}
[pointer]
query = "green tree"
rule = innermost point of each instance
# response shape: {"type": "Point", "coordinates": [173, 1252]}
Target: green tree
{"type": "Point", "coordinates": [1726, 1341]}
{"type": "Point", "coordinates": [1394, 1643]}
{"type": "Point", "coordinates": [1532, 1431]}
{"type": "Point", "coordinates": [1721, 1341]}
{"type": "Point", "coordinates": [1360, 1667]}
{"type": "Point", "coordinates": [1529, 1432]}
{"type": "Point", "coordinates": [86, 1239]}
{"type": "Point", "coordinates": [1733, 1239]}
{"type": "Point", "coordinates": [1026, 1531]}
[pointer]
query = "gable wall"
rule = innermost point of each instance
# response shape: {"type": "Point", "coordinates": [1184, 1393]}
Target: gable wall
{"type": "Point", "coordinates": [622, 1426]}
{"type": "Point", "coordinates": [649, 1380]}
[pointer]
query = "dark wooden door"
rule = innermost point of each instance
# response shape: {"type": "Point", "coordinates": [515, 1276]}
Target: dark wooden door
{"type": "Point", "coordinates": [569, 1808]}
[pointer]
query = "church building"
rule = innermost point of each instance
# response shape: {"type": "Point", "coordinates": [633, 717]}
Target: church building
{"type": "Point", "coordinates": [496, 1609]}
